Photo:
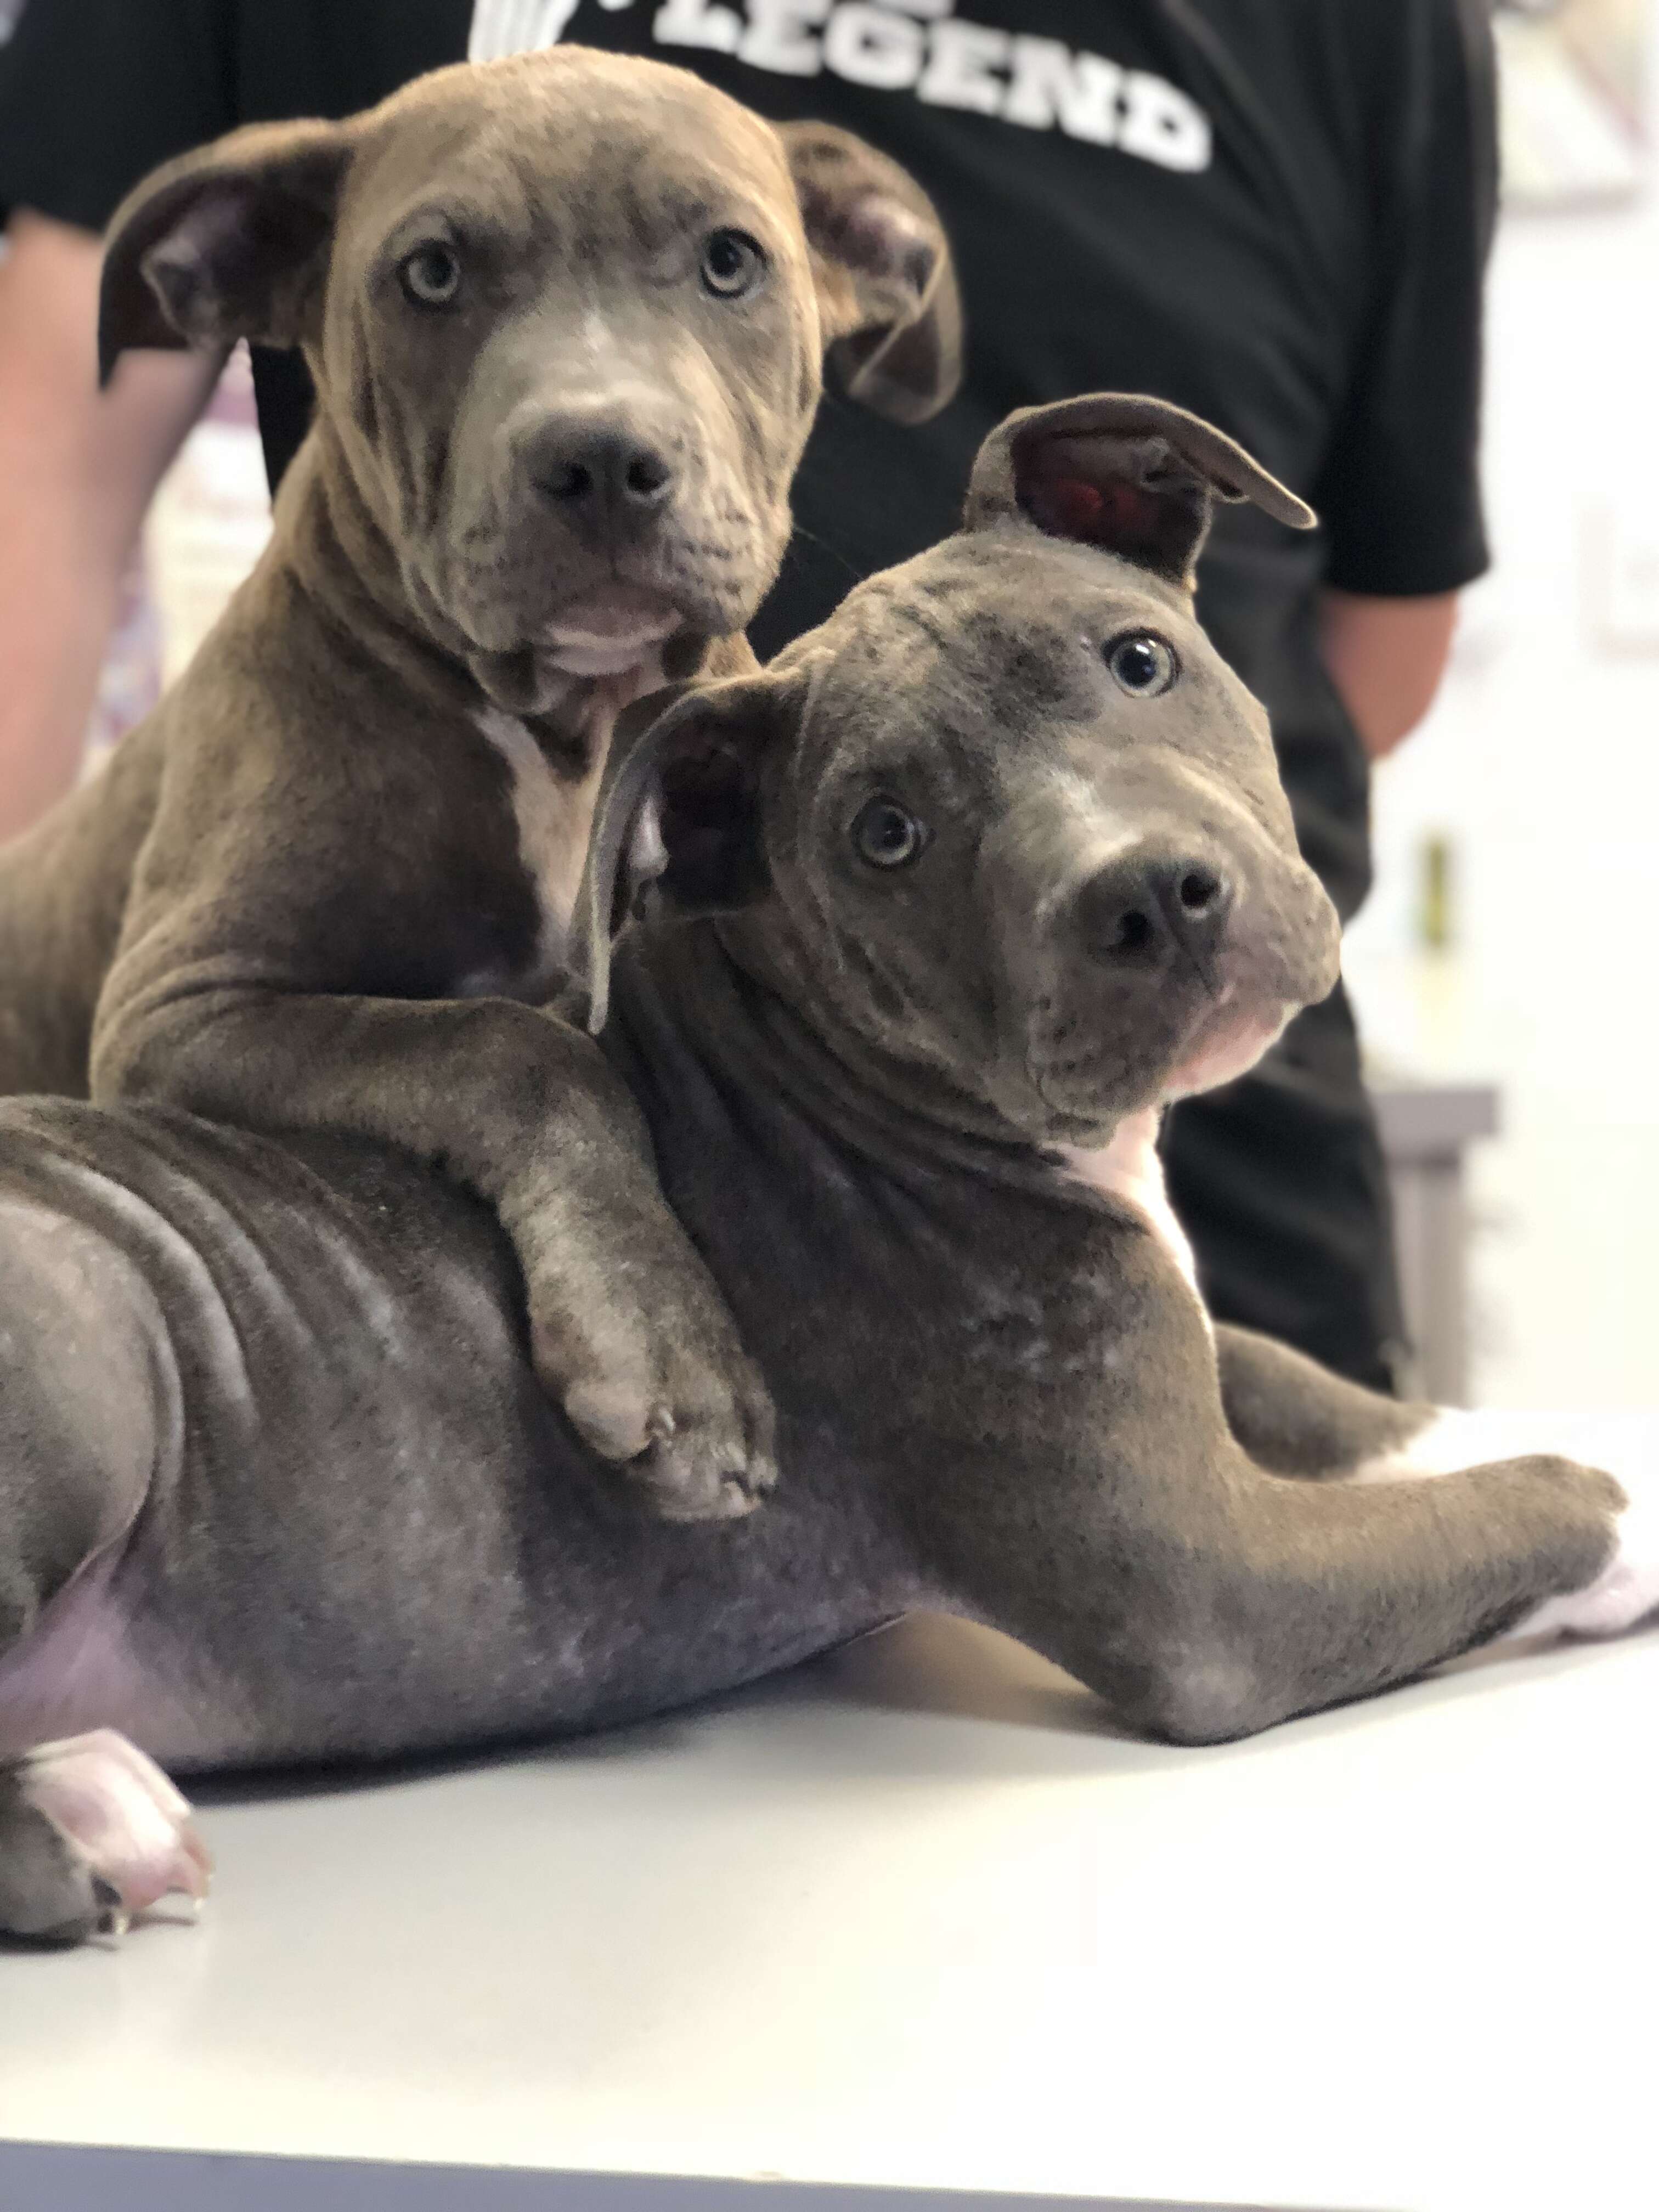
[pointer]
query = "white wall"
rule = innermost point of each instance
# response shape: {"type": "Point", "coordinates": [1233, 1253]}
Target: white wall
{"type": "Point", "coordinates": [1542, 761]}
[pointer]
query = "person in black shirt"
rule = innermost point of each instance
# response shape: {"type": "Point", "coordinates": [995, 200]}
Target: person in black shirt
{"type": "Point", "coordinates": [1275, 212]}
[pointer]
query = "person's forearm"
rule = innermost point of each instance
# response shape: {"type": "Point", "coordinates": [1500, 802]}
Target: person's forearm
{"type": "Point", "coordinates": [56, 607]}
{"type": "Point", "coordinates": [1386, 658]}
{"type": "Point", "coordinates": [77, 468]}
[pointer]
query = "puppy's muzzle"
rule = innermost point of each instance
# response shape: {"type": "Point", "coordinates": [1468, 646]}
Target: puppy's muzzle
{"type": "Point", "coordinates": [1166, 964]}
{"type": "Point", "coordinates": [608, 472]}
{"type": "Point", "coordinates": [1158, 905]}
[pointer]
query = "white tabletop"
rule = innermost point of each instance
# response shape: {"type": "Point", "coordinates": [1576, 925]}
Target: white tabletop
{"type": "Point", "coordinates": [910, 1917]}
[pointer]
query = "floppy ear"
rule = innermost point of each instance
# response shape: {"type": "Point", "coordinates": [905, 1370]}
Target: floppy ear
{"type": "Point", "coordinates": [887, 287]}
{"type": "Point", "coordinates": [228, 242]}
{"type": "Point", "coordinates": [1134, 477]}
{"type": "Point", "coordinates": [678, 807]}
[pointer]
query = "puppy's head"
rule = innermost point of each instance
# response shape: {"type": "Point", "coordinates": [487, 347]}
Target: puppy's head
{"type": "Point", "coordinates": [567, 315]}
{"type": "Point", "coordinates": [1006, 820]}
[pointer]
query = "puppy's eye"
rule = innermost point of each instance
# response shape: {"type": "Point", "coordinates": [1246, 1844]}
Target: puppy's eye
{"type": "Point", "coordinates": [431, 275]}
{"type": "Point", "coordinates": [1143, 665]}
{"type": "Point", "coordinates": [732, 263]}
{"type": "Point", "coordinates": [885, 836]}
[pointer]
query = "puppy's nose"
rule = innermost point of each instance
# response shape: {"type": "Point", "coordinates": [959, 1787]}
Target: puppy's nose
{"type": "Point", "coordinates": [1143, 906]}
{"type": "Point", "coordinates": [605, 474]}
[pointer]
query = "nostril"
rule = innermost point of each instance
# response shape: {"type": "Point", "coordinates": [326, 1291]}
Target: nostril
{"type": "Point", "coordinates": [568, 480]}
{"type": "Point", "coordinates": [601, 474]}
{"type": "Point", "coordinates": [1199, 890]}
{"type": "Point", "coordinates": [646, 474]}
{"type": "Point", "coordinates": [646, 477]}
{"type": "Point", "coordinates": [1134, 932]}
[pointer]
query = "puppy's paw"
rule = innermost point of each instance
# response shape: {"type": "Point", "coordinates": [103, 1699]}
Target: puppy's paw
{"type": "Point", "coordinates": [668, 1392]}
{"type": "Point", "coordinates": [1624, 1443]}
{"type": "Point", "coordinates": [696, 1439]}
{"type": "Point", "coordinates": [92, 1834]}
{"type": "Point", "coordinates": [1626, 1590]}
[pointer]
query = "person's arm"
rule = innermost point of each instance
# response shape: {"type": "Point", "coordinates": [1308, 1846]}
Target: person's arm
{"type": "Point", "coordinates": [77, 468]}
{"type": "Point", "coordinates": [1386, 658]}
{"type": "Point", "coordinates": [1399, 494]}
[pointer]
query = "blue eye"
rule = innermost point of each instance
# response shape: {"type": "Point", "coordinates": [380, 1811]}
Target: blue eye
{"type": "Point", "coordinates": [1142, 664]}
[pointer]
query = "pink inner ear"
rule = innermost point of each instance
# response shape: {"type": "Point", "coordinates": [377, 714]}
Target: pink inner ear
{"type": "Point", "coordinates": [1108, 514]}
{"type": "Point", "coordinates": [1075, 507]}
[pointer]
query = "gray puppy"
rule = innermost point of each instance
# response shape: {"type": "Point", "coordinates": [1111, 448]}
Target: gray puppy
{"type": "Point", "coordinates": [565, 315]}
{"type": "Point", "coordinates": [942, 908]}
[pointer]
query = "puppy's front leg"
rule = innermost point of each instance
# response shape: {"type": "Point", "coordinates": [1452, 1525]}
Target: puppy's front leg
{"type": "Point", "coordinates": [1205, 1599]}
{"type": "Point", "coordinates": [1625, 1443]}
{"type": "Point", "coordinates": [628, 1330]}
{"type": "Point", "coordinates": [1294, 1416]}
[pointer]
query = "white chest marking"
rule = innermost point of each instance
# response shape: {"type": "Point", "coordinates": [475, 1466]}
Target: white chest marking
{"type": "Point", "coordinates": [1130, 1170]}
{"type": "Point", "coordinates": [554, 817]}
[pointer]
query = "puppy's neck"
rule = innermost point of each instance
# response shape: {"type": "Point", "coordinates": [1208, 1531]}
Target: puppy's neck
{"type": "Point", "coordinates": [728, 1000]}
{"type": "Point", "coordinates": [741, 985]}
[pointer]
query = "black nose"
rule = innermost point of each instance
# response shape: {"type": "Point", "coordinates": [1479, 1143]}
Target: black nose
{"type": "Point", "coordinates": [605, 474]}
{"type": "Point", "coordinates": [1143, 906]}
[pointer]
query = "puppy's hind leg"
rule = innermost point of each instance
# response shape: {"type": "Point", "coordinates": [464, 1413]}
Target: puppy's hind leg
{"type": "Point", "coordinates": [91, 1833]}
{"type": "Point", "coordinates": [82, 1348]}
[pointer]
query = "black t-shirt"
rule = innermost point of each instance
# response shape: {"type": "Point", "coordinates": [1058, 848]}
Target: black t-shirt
{"type": "Point", "coordinates": [1273, 211]}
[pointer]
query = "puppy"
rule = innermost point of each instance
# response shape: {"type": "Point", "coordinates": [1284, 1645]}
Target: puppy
{"type": "Point", "coordinates": [566, 315]}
